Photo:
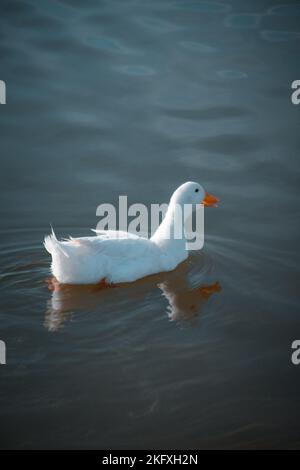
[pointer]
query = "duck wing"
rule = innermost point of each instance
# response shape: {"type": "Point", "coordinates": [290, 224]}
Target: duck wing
{"type": "Point", "coordinates": [111, 243]}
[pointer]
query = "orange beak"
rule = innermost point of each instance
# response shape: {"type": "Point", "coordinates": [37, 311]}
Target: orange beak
{"type": "Point", "coordinates": [210, 200]}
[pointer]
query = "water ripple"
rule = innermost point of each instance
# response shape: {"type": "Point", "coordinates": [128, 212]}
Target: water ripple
{"type": "Point", "coordinates": [232, 74]}
{"type": "Point", "coordinates": [203, 7]}
{"type": "Point", "coordinates": [285, 10]}
{"type": "Point", "coordinates": [156, 25]}
{"type": "Point", "coordinates": [136, 70]}
{"type": "Point", "coordinates": [280, 36]}
{"type": "Point", "coordinates": [197, 47]}
{"type": "Point", "coordinates": [108, 44]}
{"type": "Point", "coordinates": [243, 21]}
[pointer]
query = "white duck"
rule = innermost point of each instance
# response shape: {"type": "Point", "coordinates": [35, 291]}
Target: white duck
{"type": "Point", "coordinates": [116, 256]}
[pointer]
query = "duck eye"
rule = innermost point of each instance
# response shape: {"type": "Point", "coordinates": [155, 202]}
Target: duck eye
{"type": "Point", "coordinates": [196, 190]}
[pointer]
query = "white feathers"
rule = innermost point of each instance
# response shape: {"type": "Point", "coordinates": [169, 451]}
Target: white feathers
{"type": "Point", "coordinates": [111, 256]}
{"type": "Point", "coordinates": [118, 256]}
{"type": "Point", "coordinates": [52, 244]}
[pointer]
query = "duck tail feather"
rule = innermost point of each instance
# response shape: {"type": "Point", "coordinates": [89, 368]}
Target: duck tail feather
{"type": "Point", "coordinates": [52, 244]}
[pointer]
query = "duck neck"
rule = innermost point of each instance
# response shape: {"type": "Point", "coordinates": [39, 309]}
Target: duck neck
{"type": "Point", "coordinates": [170, 235]}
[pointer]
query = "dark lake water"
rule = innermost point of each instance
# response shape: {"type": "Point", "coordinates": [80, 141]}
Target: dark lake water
{"type": "Point", "coordinates": [112, 97]}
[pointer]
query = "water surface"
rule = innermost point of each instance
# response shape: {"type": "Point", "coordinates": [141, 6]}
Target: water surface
{"type": "Point", "coordinates": [110, 97]}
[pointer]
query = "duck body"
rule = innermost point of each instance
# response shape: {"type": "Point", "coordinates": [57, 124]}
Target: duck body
{"type": "Point", "coordinates": [117, 256]}
{"type": "Point", "coordinates": [110, 257]}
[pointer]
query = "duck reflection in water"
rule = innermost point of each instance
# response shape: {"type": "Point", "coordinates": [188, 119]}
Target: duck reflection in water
{"type": "Point", "coordinates": [185, 303]}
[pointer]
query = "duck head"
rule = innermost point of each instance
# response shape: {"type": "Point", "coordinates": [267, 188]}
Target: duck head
{"type": "Point", "coordinates": [193, 193]}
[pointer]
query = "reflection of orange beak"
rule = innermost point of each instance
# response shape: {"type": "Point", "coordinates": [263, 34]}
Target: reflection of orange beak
{"type": "Point", "coordinates": [210, 200]}
{"type": "Point", "coordinates": [207, 291]}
